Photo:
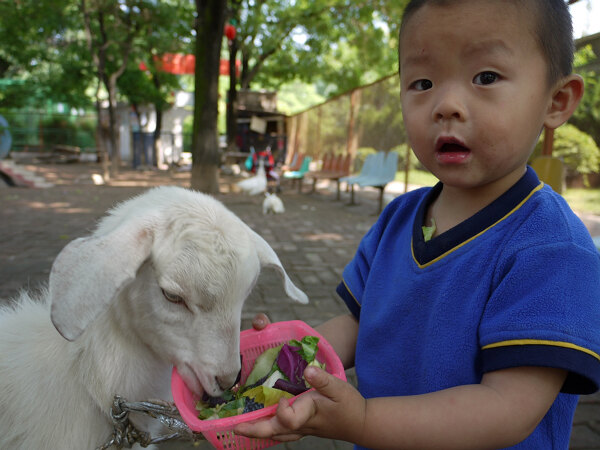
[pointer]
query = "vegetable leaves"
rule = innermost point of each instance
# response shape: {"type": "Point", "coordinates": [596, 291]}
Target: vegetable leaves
{"type": "Point", "coordinates": [277, 373]}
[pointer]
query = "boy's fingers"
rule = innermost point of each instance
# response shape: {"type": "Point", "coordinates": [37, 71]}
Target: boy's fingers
{"type": "Point", "coordinates": [294, 416]}
{"type": "Point", "coordinates": [260, 321]}
{"type": "Point", "coordinates": [260, 429]}
{"type": "Point", "coordinates": [283, 424]}
{"type": "Point", "coordinates": [325, 383]}
{"type": "Point", "coordinates": [287, 437]}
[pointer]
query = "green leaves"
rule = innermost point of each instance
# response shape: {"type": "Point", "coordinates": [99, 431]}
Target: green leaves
{"type": "Point", "coordinates": [279, 370]}
{"type": "Point", "coordinates": [309, 345]}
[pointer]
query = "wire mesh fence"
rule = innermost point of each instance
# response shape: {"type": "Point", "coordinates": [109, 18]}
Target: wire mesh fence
{"type": "Point", "coordinates": [360, 122]}
{"type": "Point", "coordinates": [41, 131]}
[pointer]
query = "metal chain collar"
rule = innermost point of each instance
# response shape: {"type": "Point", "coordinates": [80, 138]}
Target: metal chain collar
{"type": "Point", "coordinates": [125, 434]}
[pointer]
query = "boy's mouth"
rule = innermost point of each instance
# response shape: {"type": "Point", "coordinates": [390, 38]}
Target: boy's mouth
{"type": "Point", "coordinates": [449, 150]}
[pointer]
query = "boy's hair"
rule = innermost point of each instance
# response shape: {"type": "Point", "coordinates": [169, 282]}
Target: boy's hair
{"type": "Point", "coordinates": [552, 29]}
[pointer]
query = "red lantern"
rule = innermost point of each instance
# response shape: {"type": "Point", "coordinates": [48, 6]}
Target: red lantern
{"type": "Point", "coordinates": [230, 32]}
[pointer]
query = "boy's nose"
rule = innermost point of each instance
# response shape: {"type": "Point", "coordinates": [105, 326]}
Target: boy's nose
{"type": "Point", "coordinates": [449, 105]}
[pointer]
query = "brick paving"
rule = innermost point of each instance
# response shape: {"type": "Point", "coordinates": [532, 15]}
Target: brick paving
{"type": "Point", "coordinates": [314, 239]}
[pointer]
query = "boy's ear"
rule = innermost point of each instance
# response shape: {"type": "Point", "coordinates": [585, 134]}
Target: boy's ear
{"type": "Point", "coordinates": [565, 98]}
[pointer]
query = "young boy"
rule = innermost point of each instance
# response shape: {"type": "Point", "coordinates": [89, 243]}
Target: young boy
{"type": "Point", "coordinates": [480, 336]}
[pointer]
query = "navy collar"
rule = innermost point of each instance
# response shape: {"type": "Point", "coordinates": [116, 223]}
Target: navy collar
{"type": "Point", "coordinates": [426, 252]}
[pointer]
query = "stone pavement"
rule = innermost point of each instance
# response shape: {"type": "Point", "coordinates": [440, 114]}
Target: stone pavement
{"type": "Point", "coordinates": [314, 239]}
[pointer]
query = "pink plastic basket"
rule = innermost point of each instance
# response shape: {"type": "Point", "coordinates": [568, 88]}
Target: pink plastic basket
{"type": "Point", "coordinates": [219, 432]}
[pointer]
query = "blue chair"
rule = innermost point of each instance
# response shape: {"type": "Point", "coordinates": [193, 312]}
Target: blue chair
{"type": "Point", "coordinates": [378, 170]}
{"type": "Point", "coordinates": [298, 175]}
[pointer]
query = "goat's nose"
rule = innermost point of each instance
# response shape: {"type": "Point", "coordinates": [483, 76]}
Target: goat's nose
{"type": "Point", "coordinates": [225, 383]}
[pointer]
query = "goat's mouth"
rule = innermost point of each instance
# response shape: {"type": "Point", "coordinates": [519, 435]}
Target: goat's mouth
{"type": "Point", "coordinates": [196, 382]}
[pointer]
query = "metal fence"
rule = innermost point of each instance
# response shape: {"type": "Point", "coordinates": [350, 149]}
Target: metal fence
{"type": "Point", "coordinates": [364, 120]}
{"type": "Point", "coordinates": [359, 122]}
{"type": "Point", "coordinates": [40, 131]}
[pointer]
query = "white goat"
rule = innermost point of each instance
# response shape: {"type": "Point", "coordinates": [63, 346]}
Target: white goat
{"type": "Point", "coordinates": [161, 282]}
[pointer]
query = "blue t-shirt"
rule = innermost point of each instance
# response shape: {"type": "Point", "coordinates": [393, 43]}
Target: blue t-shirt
{"type": "Point", "coordinates": [517, 284]}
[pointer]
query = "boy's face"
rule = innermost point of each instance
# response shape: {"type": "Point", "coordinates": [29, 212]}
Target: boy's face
{"type": "Point", "coordinates": [474, 91]}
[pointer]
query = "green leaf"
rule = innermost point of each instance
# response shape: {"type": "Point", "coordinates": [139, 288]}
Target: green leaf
{"type": "Point", "coordinates": [229, 409]}
{"type": "Point", "coordinates": [266, 395]}
{"type": "Point", "coordinates": [428, 231]}
{"type": "Point", "coordinates": [309, 345]}
{"type": "Point", "coordinates": [263, 365]}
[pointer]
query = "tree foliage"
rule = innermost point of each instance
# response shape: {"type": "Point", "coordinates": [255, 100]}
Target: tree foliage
{"type": "Point", "coordinates": [336, 44]}
{"type": "Point", "coordinates": [41, 57]}
{"type": "Point", "coordinates": [577, 149]}
{"type": "Point", "coordinates": [81, 52]}
{"type": "Point", "coordinates": [166, 29]}
{"type": "Point", "coordinates": [341, 44]}
{"type": "Point", "coordinates": [587, 114]}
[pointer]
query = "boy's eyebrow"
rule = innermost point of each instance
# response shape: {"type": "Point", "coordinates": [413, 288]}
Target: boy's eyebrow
{"type": "Point", "coordinates": [494, 46]}
{"type": "Point", "coordinates": [415, 59]}
{"type": "Point", "coordinates": [485, 47]}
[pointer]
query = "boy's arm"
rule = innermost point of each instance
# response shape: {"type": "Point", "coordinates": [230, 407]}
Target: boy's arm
{"type": "Point", "coordinates": [341, 332]}
{"type": "Point", "coordinates": [501, 411]}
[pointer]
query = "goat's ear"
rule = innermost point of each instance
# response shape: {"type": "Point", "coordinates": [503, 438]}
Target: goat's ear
{"type": "Point", "coordinates": [268, 258]}
{"type": "Point", "coordinates": [89, 272]}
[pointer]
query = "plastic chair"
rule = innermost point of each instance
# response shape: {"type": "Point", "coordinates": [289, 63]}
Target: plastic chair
{"type": "Point", "coordinates": [298, 175]}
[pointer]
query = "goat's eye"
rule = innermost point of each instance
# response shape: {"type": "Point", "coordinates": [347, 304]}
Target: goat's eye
{"type": "Point", "coordinates": [173, 298]}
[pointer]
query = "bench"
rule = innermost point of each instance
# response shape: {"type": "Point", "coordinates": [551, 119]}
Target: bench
{"type": "Point", "coordinates": [596, 240]}
{"type": "Point", "coordinates": [378, 170]}
{"type": "Point", "coordinates": [61, 154]}
{"type": "Point", "coordinates": [297, 176]}
{"type": "Point", "coordinates": [334, 168]}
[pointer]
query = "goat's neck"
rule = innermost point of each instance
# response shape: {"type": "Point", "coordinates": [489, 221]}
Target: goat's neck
{"type": "Point", "coordinates": [114, 360]}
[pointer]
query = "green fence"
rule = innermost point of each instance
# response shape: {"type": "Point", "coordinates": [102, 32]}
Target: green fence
{"type": "Point", "coordinates": [40, 132]}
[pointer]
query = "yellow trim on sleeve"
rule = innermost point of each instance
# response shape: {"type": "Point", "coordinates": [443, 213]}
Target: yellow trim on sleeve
{"type": "Point", "coordinates": [350, 292]}
{"type": "Point", "coordinates": [422, 266]}
{"type": "Point", "coordinates": [542, 342]}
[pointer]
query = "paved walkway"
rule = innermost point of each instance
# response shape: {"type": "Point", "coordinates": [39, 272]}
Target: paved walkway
{"type": "Point", "coordinates": [314, 239]}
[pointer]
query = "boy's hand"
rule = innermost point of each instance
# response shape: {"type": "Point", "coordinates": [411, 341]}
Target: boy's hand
{"type": "Point", "coordinates": [333, 409]}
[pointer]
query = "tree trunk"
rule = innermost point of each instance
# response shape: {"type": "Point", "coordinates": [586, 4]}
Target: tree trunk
{"type": "Point", "coordinates": [157, 146]}
{"type": "Point", "coordinates": [99, 57]}
{"type": "Point", "coordinates": [111, 87]}
{"type": "Point", "coordinates": [205, 149]}
{"type": "Point", "coordinates": [232, 98]}
{"type": "Point", "coordinates": [100, 144]}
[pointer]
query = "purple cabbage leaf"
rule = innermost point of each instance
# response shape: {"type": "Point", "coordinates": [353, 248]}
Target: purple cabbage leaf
{"type": "Point", "coordinates": [291, 363]}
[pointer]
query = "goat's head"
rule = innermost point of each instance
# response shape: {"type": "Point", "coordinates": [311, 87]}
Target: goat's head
{"type": "Point", "coordinates": [178, 266]}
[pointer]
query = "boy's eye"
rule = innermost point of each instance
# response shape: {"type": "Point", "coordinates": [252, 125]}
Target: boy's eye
{"type": "Point", "coordinates": [421, 85]}
{"type": "Point", "coordinates": [485, 78]}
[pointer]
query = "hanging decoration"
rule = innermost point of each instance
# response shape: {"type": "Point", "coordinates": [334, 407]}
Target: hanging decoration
{"type": "Point", "coordinates": [230, 31]}
{"type": "Point", "coordinates": [179, 64]}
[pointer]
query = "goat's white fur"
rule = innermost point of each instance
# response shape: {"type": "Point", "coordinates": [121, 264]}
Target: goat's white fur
{"type": "Point", "coordinates": [122, 335]}
{"type": "Point", "coordinates": [272, 204]}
